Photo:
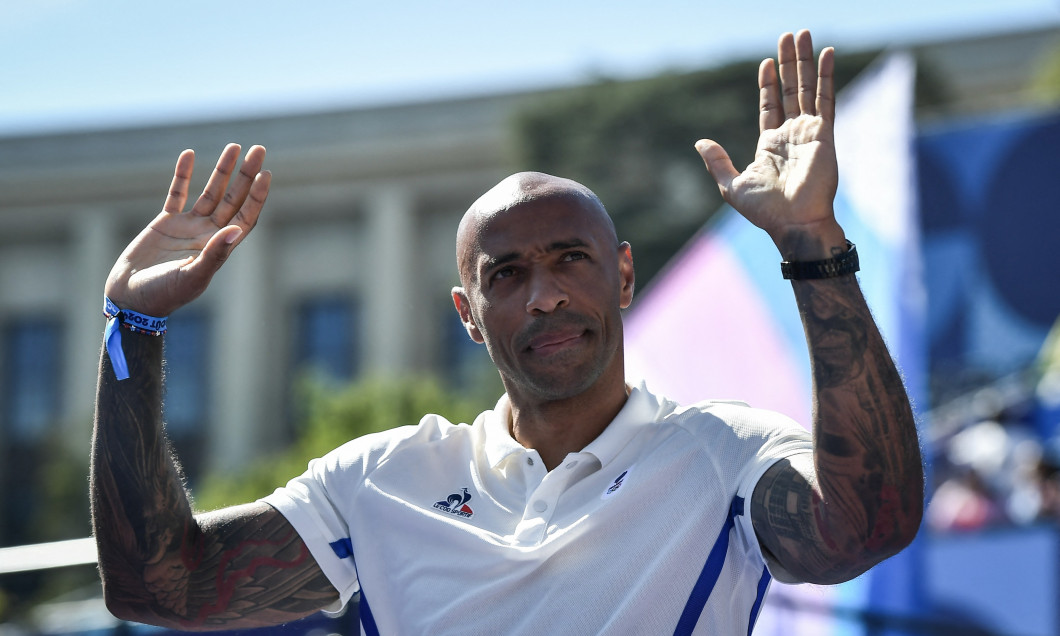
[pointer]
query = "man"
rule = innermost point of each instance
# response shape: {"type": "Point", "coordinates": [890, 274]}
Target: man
{"type": "Point", "coordinates": [579, 504]}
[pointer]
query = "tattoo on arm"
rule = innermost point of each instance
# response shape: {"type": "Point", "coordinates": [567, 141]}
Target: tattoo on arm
{"type": "Point", "coordinates": [239, 567]}
{"type": "Point", "coordinates": [787, 511]}
{"type": "Point", "coordinates": [861, 498]}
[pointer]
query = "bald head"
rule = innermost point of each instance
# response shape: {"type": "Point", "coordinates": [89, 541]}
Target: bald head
{"type": "Point", "coordinates": [543, 283]}
{"type": "Point", "coordinates": [522, 189]}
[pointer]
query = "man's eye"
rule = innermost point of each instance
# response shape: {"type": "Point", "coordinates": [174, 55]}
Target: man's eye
{"type": "Point", "coordinates": [503, 272]}
{"type": "Point", "coordinates": [575, 256]}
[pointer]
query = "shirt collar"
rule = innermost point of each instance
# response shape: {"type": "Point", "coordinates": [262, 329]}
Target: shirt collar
{"type": "Point", "coordinates": [499, 441]}
{"type": "Point", "coordinates": [639, 409]}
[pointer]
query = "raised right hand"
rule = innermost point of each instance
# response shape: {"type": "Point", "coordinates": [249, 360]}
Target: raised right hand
{"type": "Point", "coordinates": [171, 262]}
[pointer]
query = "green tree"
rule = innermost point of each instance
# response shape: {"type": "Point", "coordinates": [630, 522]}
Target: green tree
{"type": "Point", "coordinates": [1045, 85]}
{"type": "Point", "coordinates": [632, 143]}
{"type": "Point", "coordinates": [332, 417]}
{"type": "Point", "coordinates": [58, 510]}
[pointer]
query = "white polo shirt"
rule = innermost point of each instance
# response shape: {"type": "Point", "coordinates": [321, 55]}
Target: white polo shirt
{"type": "Point", "coordinates": [457, 529]}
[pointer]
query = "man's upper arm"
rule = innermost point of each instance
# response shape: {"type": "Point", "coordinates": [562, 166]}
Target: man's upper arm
{"type": "Point", "coordinates": [787, 513]}
{"type": "Point", "coordinates": [238, 567]}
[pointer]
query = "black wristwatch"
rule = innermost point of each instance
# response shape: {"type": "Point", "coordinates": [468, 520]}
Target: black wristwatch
{"type": "Point", "coordinates": [845, 263]}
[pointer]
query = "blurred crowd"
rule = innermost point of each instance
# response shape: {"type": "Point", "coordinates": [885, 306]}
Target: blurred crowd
{"type": "Point", "coordinates": [996, 453]}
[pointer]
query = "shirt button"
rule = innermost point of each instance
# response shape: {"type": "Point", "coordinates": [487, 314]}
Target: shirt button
{"type": "Point", "coordinates": [572, 464]}
{"type": "Point", "coordinates": [529, 461]}
{"type": "Point", "coordinates": [540, 506]}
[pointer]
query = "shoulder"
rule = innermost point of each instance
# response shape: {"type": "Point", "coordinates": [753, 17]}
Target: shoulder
{"type": "Point", "coordinates": [736, 419]}
{"type": "Point", "coordinates": [367, 452]}
{"type": "Point", "coordinates": [714, 420]}
{"type": "Point", "coordinates": [731, 436]}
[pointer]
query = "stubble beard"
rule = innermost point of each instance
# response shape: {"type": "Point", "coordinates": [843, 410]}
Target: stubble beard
{"type": "Point", "coordinates": [564, 375]}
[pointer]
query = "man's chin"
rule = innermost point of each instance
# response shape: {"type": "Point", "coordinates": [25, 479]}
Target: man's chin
{"type": "Point", "coordinates": [555, 387]}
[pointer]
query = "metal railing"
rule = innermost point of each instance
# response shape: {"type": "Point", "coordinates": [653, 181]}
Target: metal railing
{"type": "Point", "coordinates": [44, 556]}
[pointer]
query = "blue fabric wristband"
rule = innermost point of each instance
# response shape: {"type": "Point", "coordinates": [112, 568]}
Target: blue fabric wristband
{"type": "Point", "coordinates": [131, 320]}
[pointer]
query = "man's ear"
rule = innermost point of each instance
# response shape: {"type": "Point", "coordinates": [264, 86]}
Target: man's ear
{"type": "Point", "coordinates": [625, 272]}
{"type": "Point", "coordinates": [463, 307]}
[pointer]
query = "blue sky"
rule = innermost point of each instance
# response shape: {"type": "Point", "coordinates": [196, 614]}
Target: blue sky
{"type": "Point", "coordinates": [70, 64]}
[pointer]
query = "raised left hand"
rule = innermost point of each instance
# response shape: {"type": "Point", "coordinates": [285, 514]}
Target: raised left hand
{"type": "Point", "coordinates": [789, 188]}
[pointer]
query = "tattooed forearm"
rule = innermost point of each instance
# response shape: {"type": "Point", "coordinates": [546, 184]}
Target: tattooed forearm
{"type": "Point", "coordinates": [861, 499]}
{"type": "Point", "coordinates": [267, 552]}
{"type": "Point", "coordinates": [139, 508]}
{"type": "Point", "coordinates": [240, 567]}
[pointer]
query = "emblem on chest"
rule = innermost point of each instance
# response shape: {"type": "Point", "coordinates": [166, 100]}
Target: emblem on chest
{"type": "Point", "coordinates": [456, 504]}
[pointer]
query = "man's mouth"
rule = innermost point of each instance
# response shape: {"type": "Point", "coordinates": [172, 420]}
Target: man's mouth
{"type": "Point", "coordinates": [551, 342]}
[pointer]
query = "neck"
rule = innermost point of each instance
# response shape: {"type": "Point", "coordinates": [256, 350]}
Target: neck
{"type": "Point", "coordinates": [556, 428]}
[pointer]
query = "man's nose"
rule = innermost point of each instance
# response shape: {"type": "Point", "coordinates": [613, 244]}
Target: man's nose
{"type": "Point", "coordinates": [546, 294]}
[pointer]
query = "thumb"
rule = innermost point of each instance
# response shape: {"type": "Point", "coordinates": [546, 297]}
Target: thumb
{"type": "Point", "coordinates": [215, 253]}
{"type": "Point", "coordinates": [718, 163]}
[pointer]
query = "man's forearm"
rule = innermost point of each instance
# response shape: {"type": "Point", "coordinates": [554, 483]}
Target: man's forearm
{"type": "Point", "coordinates": [866, 451]}
{"type": "Point", "coordinates": [160, 564]}
{"type": "Point", "coordinates": [140, 513]}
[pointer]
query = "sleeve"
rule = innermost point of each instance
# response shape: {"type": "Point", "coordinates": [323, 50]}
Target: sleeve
{"type": "Point", "coordinates": [311, 507]}
{"type": "Point", "coordinates": [780, 437]}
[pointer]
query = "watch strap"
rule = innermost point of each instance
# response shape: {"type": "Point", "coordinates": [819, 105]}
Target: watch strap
{"type": "Point", "coordinates": [845, 263]}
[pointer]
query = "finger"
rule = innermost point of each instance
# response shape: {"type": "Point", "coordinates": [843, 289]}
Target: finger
{"type": "Point", "coordinates": [215, 187]}
{"type": "Point", "coordinates": [718, 163]}
{"type": "Point", "coordinates": [807, 69]}
{"type": "Point", "coordinates": [826, 85]}
{"type": "Point", "coordinates": [241, 185]}
{"type": "Point", "coordinates": [247, 216]}
{"type": "Point", "coordinates": [770, 113]}
{"type": "Point", "coordinates": [789, 75]}
{"type": "Point", "coordinates": [201, 269]}
{"type": "Point", "coordinates": [178, 189]}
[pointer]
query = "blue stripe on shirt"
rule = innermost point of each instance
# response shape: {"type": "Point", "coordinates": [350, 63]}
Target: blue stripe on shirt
{"type": "Point", "coordinates": [343, 548]}
{"type": "Point", "coordinates": [763, 585]}
{"type": "Point", "coordinates": [708, 578]}
{"type": "Point", "coordinates": [365, 614]}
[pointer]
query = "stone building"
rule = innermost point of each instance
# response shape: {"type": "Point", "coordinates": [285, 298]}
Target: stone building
{"type": "Point", "coordinates": [348, 271]}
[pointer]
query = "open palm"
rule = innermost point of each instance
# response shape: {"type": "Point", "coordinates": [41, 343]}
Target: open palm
{"type": "Point", "coordinates": [789, 188]}
{"type": "Point", "coordinates": [784, 184]}
{"type": "Point", "coordinates": [173, 259]}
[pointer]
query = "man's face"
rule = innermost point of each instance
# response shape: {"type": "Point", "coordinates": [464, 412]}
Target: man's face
{"type": "Point", "coordinates": [544, 284]}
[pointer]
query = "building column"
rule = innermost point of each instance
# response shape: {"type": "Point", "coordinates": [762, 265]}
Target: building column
{"type": "Point", "coordinates": [387, 306]}
{"type": "Point", "coordinates": [93, 249]}
{"type": "Point", "coordinates": [245, 408]}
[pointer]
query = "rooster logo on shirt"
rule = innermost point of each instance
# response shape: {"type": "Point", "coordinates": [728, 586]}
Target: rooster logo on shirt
{"type": "Point", "coordinates": [456, 504]}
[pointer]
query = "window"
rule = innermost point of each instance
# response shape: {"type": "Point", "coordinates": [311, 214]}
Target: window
{"type": "Point", "coordinates": [466, 363]}
{"type": "Point", "coordinates": [31, 380]}
{"type": "Point", "coordinates": [186, 396]}
{"type": "Point", "coordinates": [326, 343]}
{"type": "Point", "coordinates": [186, 388]}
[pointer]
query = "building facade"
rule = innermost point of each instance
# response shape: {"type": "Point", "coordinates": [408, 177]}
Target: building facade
{"type": "Point", "coordinates": [347, 273]}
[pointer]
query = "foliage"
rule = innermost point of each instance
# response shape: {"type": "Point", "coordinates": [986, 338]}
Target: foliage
{"type": "Point", "coordinates": [48, 504]}
{"type": "Point", "coordinates": [632, 143]}
{"type": "Point", "coordinates": [332, 417]}
{"type": "Point", "coordinates": [1045, 86]}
